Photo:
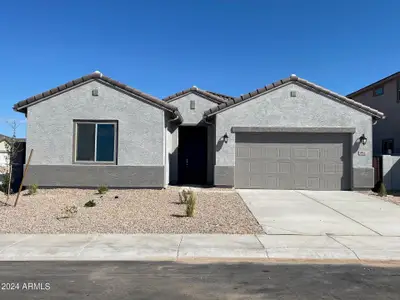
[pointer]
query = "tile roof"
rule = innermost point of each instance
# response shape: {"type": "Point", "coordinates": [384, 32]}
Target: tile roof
{"type": "Point", "coordinates": [215, 97]}
{"type": "Point", "coordinates": [293, 78]}
{"type": "Point", "coordinates": [21, 105]}
{"type": "Point", "coordinates": [372, 85]}
{"type": "Point", "coordinates": [4, 137]}
{"type": "Point", "coordinates": [223, 96]}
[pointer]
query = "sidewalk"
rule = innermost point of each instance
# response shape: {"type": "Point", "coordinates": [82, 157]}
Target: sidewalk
{"type": "Point", "coordinates": [178, 247]}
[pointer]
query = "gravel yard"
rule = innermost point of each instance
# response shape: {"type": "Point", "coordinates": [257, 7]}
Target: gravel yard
{"type": "Point", "coordinates": [393, 197]}
{"type": "Point", "coordinates": [134, 211]}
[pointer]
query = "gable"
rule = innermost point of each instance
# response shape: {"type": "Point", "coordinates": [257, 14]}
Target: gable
{"type": "Point", "coordinates": [22, 106]}
{"type": "Point", "coordinates": [192, 107]}
{"type": "Point", "coordinates": [293, 79]}
{"type": "Point", "coordinates": [280, 108]}
{"type": "Point", "coordinates": [211, 96]}
{"type": "Point", "coordinates": [79, 102]}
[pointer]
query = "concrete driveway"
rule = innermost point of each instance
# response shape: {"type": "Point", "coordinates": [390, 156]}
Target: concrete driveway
{"type": "Point", "coordinates": [321, 212]}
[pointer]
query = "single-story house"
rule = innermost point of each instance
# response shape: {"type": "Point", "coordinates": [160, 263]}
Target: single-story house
{"type": "Point", "coordinates": [18, 158]}
{"type": "Point", "coordinates": [291, 134]}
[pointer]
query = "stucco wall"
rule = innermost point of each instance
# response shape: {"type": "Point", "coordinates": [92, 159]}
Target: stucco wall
{"type": "Point", "coordinates": [3, 154]}
{"type": "Point", "coordinates": [140, 125]}
{"type": "Point", "coordinates": [391, 172]}
{"type": "Point", "coordinates": [308, 109]}
{"type": "Point", "coordinates": [387, 103]}
{"type": "Point", "coordinates": [2, 146]}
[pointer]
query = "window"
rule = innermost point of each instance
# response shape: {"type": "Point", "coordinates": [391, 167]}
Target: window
{"type": "Point", "coordinates": [387, 146]}
{"type": "Point", "coordinates": [378, 91]}
{"type": "Point", "coordinates": [95, 142]}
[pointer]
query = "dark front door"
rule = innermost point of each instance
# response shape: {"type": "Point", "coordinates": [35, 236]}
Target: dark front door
{"type": "Point", "coordinates": [192, 155]}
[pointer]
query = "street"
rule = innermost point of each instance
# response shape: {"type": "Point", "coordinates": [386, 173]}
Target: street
{"type": "Point", "coordinates": [172, 280]}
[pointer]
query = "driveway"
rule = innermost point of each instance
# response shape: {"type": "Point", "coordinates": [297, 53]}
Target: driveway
{"type": "Point", "coordinates": [321, 212]}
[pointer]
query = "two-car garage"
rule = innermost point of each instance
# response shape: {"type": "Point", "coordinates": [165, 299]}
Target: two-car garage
{"type": "Point", "coordinates": [294, 134]}
{"type": "Point", "coordinates": [292, 160]}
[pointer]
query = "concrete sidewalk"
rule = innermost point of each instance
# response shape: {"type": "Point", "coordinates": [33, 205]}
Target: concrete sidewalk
{"type": "Point", "coordinates": [177, 247]}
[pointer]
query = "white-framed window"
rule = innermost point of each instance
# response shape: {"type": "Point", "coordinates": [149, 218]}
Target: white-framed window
{"type": "Point", "coordinates": [95, 142]}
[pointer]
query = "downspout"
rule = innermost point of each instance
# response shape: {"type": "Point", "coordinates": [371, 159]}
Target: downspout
{"type": "Point", "coordinates": [174, 119]}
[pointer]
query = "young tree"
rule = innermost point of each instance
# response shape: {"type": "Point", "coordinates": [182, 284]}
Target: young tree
{"type": "Point", "coordinates": [13, 148]}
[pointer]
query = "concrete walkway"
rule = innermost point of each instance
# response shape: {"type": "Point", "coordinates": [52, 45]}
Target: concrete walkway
{"type": "Point", "coordinates": [177, 247]}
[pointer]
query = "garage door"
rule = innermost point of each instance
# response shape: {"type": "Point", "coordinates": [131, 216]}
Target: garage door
{"type": "Point", "coordinates": [312, 161]}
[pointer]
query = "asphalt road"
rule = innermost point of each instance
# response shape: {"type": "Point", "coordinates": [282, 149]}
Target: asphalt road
{"type": "Point", "coordinates": [169, 280]}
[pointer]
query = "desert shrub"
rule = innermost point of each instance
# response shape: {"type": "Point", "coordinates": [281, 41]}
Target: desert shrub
{"type": "Point", "coordinates": [90, 203]}
{"type": "Point", "coordinates": [4, 183]}
{"type": "Point", "coordinates": [183, 195]}
{"type": "Point", "coordinates": [191, 203]}
{"type": "Point", "coordinates": [102, 189]}
{"type": "Point", "coordinates": [33, 188]}
{"type": "Point", "coordinates": [69, 211]}
{"type": "Point", "coordinates": [382, 190]}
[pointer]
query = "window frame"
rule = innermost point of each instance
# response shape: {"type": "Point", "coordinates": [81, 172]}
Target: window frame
{"type": "Point", "coordinates": [75, 142]}
{"type": "Point", "coordinates": [383, 143]}
{"type": "Point", "coordinates": [377, 88]}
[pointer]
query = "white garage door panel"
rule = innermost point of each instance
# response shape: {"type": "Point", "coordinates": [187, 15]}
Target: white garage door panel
{"type": "Point", "coordinates": [315, 161]}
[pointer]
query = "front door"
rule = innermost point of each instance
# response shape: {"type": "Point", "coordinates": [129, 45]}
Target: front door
{"type": "Point", "coordinates": [192, 155]}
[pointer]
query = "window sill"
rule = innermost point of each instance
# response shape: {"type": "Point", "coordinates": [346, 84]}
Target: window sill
{"type": "Point", "coordinates": [93, 163]}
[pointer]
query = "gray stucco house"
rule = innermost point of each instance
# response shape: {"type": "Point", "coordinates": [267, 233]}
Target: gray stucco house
{"type": "Point", "coordinates": [291, 134]}
{"type": "Point", "coordinates": [383, 95]}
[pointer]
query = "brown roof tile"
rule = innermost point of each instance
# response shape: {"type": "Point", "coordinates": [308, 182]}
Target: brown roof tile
{"type": "Point", "coordinates": [21, 105]}
{"type": "Point", "coordinates": [293, 78]}
{"type": "Point", "coordinates": [215, 97]}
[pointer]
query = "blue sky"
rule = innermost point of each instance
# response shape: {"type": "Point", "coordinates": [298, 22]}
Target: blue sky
{"type": "Point", "coordinates": [161, 47]}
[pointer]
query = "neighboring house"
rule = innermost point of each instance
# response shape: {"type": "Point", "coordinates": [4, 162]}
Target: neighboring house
{"type": "Point", "coordinates": [18, 160]}
{"type": "Point", "coordinates": [3, 156]}
{"type": "Point", "coordinates": [383, 95]}
{"type": "Point", "coordinates": [291, 134]}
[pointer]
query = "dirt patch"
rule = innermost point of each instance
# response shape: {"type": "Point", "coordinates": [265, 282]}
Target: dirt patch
{"type": "Point", "coordinates": [134, 211]}
{"type": "Point", "coordinates": [393, 197]}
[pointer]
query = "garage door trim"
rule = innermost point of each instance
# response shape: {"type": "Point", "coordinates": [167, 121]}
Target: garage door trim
{"type": "Point", "coordinates": [295, 129]}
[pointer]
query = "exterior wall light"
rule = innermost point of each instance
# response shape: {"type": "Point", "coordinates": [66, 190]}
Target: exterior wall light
{"type": "Point", "coordinates": [363, 139]}
{"type": "Point", "coordinates": [225, 137]}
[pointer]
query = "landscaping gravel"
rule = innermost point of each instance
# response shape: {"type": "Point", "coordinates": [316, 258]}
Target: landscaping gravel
{"type": "Point", "coordinates": [133, 211]}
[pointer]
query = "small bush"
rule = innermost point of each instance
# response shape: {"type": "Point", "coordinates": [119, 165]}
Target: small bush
{"type": "Point", "coordinates": [382, 190]}
{"type": "Point", "coordinates": [33, 189]}
{"type": "Point", "coordinates": [102, 189]}
{"type": "Point", "coordinates": [191, 203]}
{"type": "Point", "coordinates": [69, 212]}
{"type": "Point", "coordinates": [90, 203]}
{"type": "Point", "coordinates": [183, 195]}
